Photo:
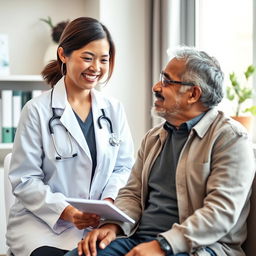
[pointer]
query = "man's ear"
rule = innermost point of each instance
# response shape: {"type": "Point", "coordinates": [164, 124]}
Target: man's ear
{"type": "Point", "coordinates": [61, 54]}
{"type": "Point", "coordinates": [194, 94]}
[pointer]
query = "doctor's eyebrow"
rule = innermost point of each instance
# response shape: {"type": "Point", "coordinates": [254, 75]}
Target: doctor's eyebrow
{"type": "Point", "coordinates": [93, 55]}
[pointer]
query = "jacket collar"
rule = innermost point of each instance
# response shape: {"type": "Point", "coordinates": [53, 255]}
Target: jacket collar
{"type": "Point", "coordinates": [200, 128]}
{"type": "Point", "coordinates": [204, 124]}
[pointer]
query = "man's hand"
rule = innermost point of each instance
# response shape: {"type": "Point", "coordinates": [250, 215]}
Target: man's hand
{"type": "Point", "coordinates": [147, 249]}
{"type": "Point", "coordinates": [104, 235]}
{"type": "Point", "coordinates": [80, 219]}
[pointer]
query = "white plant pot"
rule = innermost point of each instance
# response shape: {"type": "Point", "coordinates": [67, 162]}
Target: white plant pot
{"type": "Point", "coordinates": [51, 53]}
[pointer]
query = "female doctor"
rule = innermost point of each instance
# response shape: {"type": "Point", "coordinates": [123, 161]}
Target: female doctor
{"type": "Point", "coordinates": [71, 142]}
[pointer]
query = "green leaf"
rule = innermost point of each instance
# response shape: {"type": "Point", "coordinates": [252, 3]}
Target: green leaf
{"type": "Point", "coordinates": [249, 72]}
{"type": "Point", "coordinates": [251, 110]}
{"type": "Point", "coordinates": [48, 21]}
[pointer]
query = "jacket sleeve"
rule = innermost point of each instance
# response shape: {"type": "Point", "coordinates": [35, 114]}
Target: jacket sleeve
{"type": "Point", "coordinates": [231, 172]}
{"type": "Point", "coordinates": [26, 173]}
{"type": "Point", "coordinates": [125, 155]}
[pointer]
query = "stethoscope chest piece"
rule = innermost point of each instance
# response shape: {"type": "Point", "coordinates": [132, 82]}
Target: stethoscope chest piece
{"type": "Point", "coordinates": [113, 140]}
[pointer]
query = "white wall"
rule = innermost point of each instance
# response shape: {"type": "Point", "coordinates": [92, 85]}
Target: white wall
{"type": "Point", "coordinates": [28, 36]}
{"type": "Point", "coordinates": [129, 25]}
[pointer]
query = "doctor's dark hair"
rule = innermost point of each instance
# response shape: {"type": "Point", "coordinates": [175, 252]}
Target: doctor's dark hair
{"type": "Point", "coordinates": [76, 35]}
{"type": "Point", "coordinates": [204, 71]}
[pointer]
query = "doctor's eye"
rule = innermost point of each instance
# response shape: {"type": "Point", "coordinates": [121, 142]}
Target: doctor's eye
{"type": "Point", "coordinates": [104, 61]}
{"type": "Point", "coordinates": [87, 59]}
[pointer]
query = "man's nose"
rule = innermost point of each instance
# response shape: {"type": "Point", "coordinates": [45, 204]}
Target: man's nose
{"type": "Point", "coordinates": [157, 87]}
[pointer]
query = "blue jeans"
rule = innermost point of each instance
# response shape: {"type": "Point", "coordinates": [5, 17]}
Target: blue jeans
{"type": "Point", "coordinates": [121, 246]}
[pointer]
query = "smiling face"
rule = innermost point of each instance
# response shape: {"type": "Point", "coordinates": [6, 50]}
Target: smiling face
{"type": "Point", "coordinates": [171, 102]}
{"type": "Point", "coordinates": [87, 65]}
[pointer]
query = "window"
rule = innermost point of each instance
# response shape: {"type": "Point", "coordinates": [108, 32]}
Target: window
{"type": "Point", "coordinates": [224, 29]}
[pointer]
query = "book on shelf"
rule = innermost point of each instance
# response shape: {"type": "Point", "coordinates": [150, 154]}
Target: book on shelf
{"type": "Point", "coordinates": [16, 109]}
{"type": "Point", "coordinates": [7, 133]}
{"type": "Point", "coordinates": [12, 102]}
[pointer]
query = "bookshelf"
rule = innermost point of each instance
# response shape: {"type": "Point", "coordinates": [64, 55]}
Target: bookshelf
{"type": "Point", "coordinates": [19, 82]}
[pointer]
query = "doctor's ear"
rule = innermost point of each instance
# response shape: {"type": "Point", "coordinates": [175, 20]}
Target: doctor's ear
{"type": "Point", "coordinates": [61, 54]}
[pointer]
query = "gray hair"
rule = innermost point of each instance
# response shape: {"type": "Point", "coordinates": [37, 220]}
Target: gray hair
{"type": "Point", "coordinates": [204, 71]}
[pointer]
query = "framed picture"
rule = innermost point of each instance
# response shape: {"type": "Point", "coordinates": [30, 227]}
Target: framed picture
{"type": "Point", "coordinates": [4, 55]}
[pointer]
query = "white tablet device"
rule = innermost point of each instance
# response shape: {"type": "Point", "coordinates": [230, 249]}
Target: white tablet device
{"type": "Point", "coordinates": [102, 208]}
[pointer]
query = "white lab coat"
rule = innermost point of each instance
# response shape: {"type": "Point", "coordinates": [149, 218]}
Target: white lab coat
{"type": "Point", "coordinates": [41, 183]}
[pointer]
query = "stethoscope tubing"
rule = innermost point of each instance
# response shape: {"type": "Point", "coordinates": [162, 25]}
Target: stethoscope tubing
{"type": "Point", "coordinates": [113, 140]}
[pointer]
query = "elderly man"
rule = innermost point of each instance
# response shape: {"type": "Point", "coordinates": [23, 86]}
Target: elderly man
{"type": "Point", "coordinates": [190, 186]}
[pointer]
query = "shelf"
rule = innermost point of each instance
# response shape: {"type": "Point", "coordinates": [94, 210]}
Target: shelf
{"type": "Point", "coordinates": [5, 146]}
{"type": "Point", "coordinates": [23, 82]}
{"type": "Point", "coordinates": [21, 78]}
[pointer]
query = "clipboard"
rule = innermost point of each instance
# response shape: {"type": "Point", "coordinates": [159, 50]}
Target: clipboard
{"type": "Point", "coordinates": [103, 208]}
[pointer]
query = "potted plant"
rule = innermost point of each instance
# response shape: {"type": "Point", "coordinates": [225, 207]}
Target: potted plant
{"type": "Point", "coordinates": [242, 94]}
{"type": "Point", "coordinates": [56, 31]}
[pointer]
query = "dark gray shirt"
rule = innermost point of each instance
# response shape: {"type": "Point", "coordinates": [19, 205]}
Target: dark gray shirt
{"type": "Point", "coordinates": [161, 211]}
{"type": "Point", "coordinates": [89, 134]}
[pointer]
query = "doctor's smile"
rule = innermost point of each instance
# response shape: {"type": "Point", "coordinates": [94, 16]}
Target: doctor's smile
{"type": "Point", "coordinates": [90, 77]}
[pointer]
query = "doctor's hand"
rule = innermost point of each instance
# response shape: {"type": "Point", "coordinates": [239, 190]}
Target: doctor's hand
{"type": "Point", "coordinates": [80, 219]}
{"type": "Point", "coordinates": [104, 235]}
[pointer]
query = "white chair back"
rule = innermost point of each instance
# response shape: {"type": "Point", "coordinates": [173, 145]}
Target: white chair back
{"type": "Point", "coordinates": [8, 196]}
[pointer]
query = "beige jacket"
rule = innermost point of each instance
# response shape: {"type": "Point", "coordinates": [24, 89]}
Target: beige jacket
{"type": "Point", "coordinates": [213, 180]}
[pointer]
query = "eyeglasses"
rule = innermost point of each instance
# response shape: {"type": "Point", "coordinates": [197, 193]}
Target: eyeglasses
{"type": "Point", "coordinates": [167, 82]}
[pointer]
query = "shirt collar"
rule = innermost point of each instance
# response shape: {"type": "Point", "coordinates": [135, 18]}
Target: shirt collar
{"type": "Point", "coordinates": [184, 126]}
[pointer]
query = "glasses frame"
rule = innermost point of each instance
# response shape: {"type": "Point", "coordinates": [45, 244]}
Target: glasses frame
{"type": "Point", "coordinates": [170, 82]}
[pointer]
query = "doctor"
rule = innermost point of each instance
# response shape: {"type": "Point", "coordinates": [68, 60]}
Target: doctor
{"type": "Point", "coordinates": [71, 142]}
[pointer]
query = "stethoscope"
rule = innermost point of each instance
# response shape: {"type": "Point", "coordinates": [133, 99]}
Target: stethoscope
{"type": "Point", "coordinates": [113, 140]}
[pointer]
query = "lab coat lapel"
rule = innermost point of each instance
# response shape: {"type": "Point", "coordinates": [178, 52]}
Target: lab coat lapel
{"type": "Point", "coordinates": [68, 118]}
{"type": "Point", "coordinates": [101, 135]}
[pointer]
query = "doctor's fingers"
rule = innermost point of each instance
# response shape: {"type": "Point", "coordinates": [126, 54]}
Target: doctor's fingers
{"type": "Point", "coordinates": [84, 216]}
{"type": "Point", "coordinates": [87, 223]}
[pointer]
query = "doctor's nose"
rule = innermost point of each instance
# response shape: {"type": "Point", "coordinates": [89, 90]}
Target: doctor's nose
{"type": "Point", "coordinates": [95, 66]}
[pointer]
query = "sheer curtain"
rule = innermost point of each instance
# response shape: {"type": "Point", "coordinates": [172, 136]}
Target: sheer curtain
{"type": "Point", "coordinates": [173, 24]}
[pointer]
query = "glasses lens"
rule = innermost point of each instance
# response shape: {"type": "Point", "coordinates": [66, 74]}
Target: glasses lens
{"type": "Point", "coordinates": [163, 80]}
